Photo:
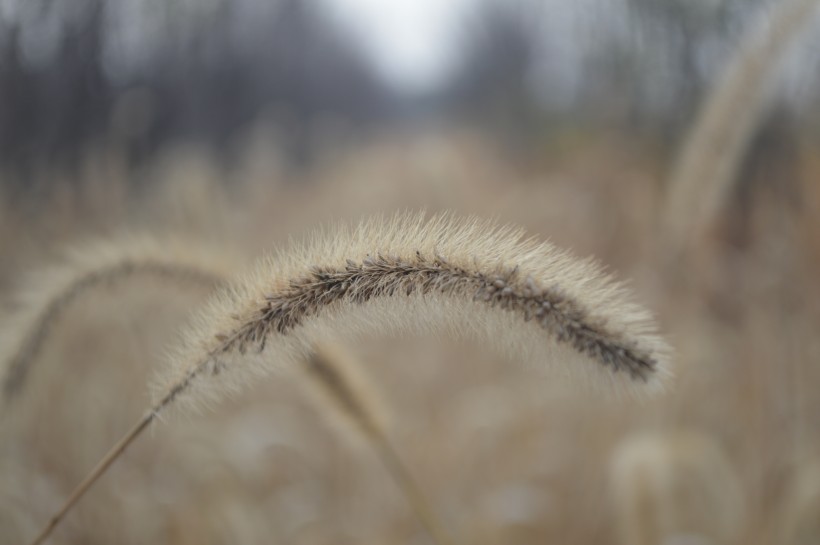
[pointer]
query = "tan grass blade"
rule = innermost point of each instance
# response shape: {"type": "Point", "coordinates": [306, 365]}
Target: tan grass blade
{"type": "Point", "coordinates": [712, 153]}
{"type": "Point", "coordinates": [334, 372]}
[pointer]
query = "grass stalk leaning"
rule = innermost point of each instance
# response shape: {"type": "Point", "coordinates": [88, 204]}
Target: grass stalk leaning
{"type": "Point", "coordinates": [407, 273]}
{"type": "Point", "coordinates": [710, 157]}
{"type": "Point", "coordinates": [332, 371]}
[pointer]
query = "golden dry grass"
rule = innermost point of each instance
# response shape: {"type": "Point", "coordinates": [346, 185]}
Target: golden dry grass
{"type": "Point", "coordinates": [505, 455]}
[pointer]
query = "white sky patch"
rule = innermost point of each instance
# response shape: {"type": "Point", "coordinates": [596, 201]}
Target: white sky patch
{"type": "Point", "coordinates": [410, 40]}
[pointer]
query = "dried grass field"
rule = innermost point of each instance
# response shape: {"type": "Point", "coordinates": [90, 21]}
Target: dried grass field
{"type": "Point", "coordinates": [500, 451]}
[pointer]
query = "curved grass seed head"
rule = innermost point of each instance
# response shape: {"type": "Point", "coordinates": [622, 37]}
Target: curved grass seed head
{"type": "Point", "coordinates": [447, 276]}
{"type": "Point", "coordinates": [464, 278]}
{"type": "Point", "coordinates": [86, 269]}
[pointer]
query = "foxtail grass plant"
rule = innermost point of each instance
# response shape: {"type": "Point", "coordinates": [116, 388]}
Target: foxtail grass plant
{"type": "Point", "coordinates": [337, 377]}
{"type": "Point", "coordinates": [407, 274]}
{"type": "Point", "coordinates": [710, 157]}
{"type": "Point", "coordinates": [86, 270]}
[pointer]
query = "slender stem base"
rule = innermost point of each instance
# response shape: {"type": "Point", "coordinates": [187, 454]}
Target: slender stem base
{"type": "Point", "coordinates": [95, 474]}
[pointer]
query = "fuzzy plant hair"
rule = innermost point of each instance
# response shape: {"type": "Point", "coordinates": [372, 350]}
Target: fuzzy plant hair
{"type": "Point", "coordinates": [84, 271]}
{"type": "Point", "coordinates": [464, 278]}
{"type": "Point", "coordinates": [407, 274]}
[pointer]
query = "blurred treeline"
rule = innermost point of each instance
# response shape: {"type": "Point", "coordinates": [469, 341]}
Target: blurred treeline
{"type": "Point", "coordinates": [136, 75]}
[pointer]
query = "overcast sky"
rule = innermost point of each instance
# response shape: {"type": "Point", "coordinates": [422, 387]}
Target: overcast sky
{"type": "Point", "coordinates": [409, 39]}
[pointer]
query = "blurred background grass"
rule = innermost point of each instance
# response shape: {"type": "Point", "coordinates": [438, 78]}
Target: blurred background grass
{"type": "Point", "coordinates": [247, 122]}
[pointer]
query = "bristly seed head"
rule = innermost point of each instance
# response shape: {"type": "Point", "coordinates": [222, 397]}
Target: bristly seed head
{"type": "Point", "coordinates": [382, 276]}
{"type": "Point", "coordinates": [443, 274]}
